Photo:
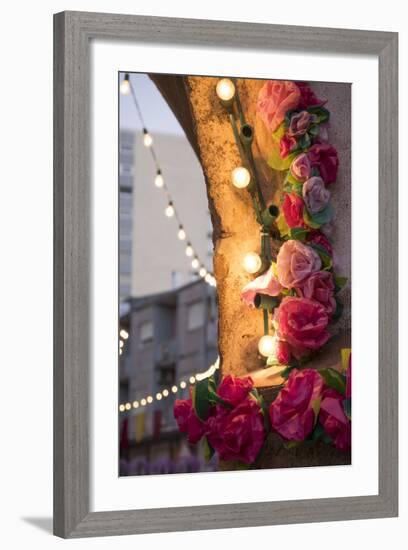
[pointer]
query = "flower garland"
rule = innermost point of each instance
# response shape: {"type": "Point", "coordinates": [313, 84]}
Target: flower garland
{"type": "Point", "coordinates": [297, 289]}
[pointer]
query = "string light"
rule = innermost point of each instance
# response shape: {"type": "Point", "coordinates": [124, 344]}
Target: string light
{"type": "Point", "coordinates": [169, 211]}
{"type": "Point", "coordinates": [174, 389]}
{"type": "Point", "coordinates": [124, 334]}
{"type": "Point", "coordinates": [195, 263]}
{"type": "Point", "coordinates": [225, 89]}
{"type": "Point", "coordinates": [120, 351]}
{"type": "Point", "coordinates": [202, 272]}
{"type": "Point", "coordinates": [181, 233]}
{"type": "Point", "coordinates": [158, 180]}
{"type": "Point", "coordinates": [121, 343]}
{"type": "Point", "coordinates": [267, 345]}
{"type": "Point", "coordinates": [147, 138]}
{"type": "Point", "coordinates": [240, 177]}
{"type": "Point", "coordinates": [125, 86]}
{"type": "Point", "coordinates": [252, 262]}
{"type": "Point", "coordinates": [189, 250]}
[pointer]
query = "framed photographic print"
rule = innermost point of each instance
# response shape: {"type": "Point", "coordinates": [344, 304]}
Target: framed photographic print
{"type": "Point", "coordinates": [225, 274]}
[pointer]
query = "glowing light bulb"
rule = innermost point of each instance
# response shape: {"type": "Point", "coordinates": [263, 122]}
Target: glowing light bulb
{"type": "Point", "coordinates": [225, 89]}
{"type": "Point", "coordinates": [135, 404]}
{"type": "Point", "coordinates": [124, 334]}
{"type": "Point", "coordinates": [189, 250]}
{"type": "Point", "coordinates": [252, 262]}
{"type": "Point", "coordinates": [120, 351]}
{"type": "Point", "coordinates": [240, 177]}
{"type": "Point", "coordinates": [159, 396]}
{"type": "Point", "coordinates": [122, 408]}
{"type": "Point", "coordinates": [267, 345]}
{"type": "Point", "coordinates": [125, 85]}
{"type": "Point", "coordinates": [147, 138]}
{"type": "Point", "coordinates": [121, 343]}
{"type": "Point", "coordinates": [143, 402]}
{"type": "Point", "coordinates": [128, 406]}
{"type": "Point", "coordinates": [192, 379]}
{"type": "Point", "coordinates": [195, 263]}
{"type": "Point", "coordinates": [174, 389]}
{"type": "Point", "coordinates": [202, 272]}
{"type": "Point", "coordinates": [181, 233]}
{"type": "Point", "coordinates": [165, 393]}
{"type": "Point", "coordinates": [208, 278]}
{"type": "Point", "coordinates": [169, 210]}
{"type": "Point", "coordinates": [183, 385]}
{"type": "Point", "coordinates": [158, 180]}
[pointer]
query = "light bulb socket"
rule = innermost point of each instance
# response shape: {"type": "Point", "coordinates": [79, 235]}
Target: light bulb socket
{"type": "Point", "coordinates": [269, 215]}
{"type": "Point", "coordinates": [145, 131]}
{"type": "Point", "coordinates": [158, 173]}
{"type": "Point", "coordinates": [126, 77]}
{"type": "Point", "coordinates": [263, 301]}
{"type": "Point", "coordinates": [246, 134]}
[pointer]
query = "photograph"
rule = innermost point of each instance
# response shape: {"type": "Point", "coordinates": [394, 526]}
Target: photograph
{"type": "Point", "coordinates": [234, 273]}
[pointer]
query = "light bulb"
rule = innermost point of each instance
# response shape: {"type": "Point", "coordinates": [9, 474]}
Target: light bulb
{"type": "Point", "coordinates": [195, 263]}
{"type": "Point", "coordinates": [252, 262]}
{"type": "Point", "coordinates": [169, 210]}
{"type": "Point", "coordinates": [181, 233]}
{"type": "Point", "coordinates": [189, 250]}
{"type": "Point", "coordinates": [124, 333]}
{"type": "Point", "coordinates": [183, 385]}
{"type": "Point", "coordinates": [135, 404]}
{"type": "Point", "coordinates": [202, 272]}
{"type": "Point", "coordinates": [207, 278]}
{"type": "Point", "coordinates": [192, 379]}
{"type": "Point", "coordinates": [125, 85]}
{"type": "Point", "coordinates": [158, 396]}
{"type": "Point", "coordinates": [121, 343]}
{"type": "Point", "coordinates": [165, 393]}
{"type": "Point", "coordinates": [240, 177]}
{"type": "Point", "coordinates": [143, 402]}
{"type": "Point", "coordinates": [267, 345]}
{"type": "Point", "coordinates": [149, 399]}
{"type": "Point", "coordinates": [158, 180]}
{"type": "Point", "coordinates": [128, 406]}
{"type": "Point", "coordinates": [225, 89]}
{"type": "Point", "coordinates": [174, 389]}
{"type": "Point", "coordinates": [120, 351]}
{"type": "Point", "coordinates": [122, 408]}
{"type": "Point", "coordinates": [147, 138]}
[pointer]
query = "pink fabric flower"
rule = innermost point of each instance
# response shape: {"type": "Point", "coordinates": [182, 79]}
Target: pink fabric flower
{"type": "Point", "coordinates": [320, 287]}
{"type": "Point", "coordinates": [334, 421]}
{"type": "Point", "coordinates": [293, 413]}
{"type": "Point", "coordinates": [299, 123]}
{"type": "Point", "coordinates": [238, 433]}
{"type": "Point", "coordinates": [315, 194]}
{"type": "Point", "coordinates": [348, 380]}
{"type": "Point", "coordinates": [287, 144]}
{"type": "Point", "coordinates": [300, 167]}
{"type": "Point", "coordinates": [187, 420]}
{"type": "Point", "coordinates": [266, 283]}
{"type": "Point", "coordinates": [324, 157]}
{"type": "Point", "coordinates": [292, 208]}
{"type": "Point", "coordinates": [318, 238]}
{"type": "Point", "coordinates": [295, 262]}
{"type": "Point", "coordinates": [233, 390]}
{"type": "Point", "coordinates": [302, 323]}
{"type": "Point", "coordinates": [283, 353]}
{"type": "Point", "coordinates": [307, 96]}
{"type": "Point", "coordinates": [274, 99]}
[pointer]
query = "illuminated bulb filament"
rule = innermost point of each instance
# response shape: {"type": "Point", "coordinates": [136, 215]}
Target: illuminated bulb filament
{"type": "Point", "coordinates": [158, 396]}
{"type": "Point", "coordinates": [225, 89]}
{"type": "Point", "coordinates": [267, 345]}
{"type": "Point", "coordinates": [189, 250]}
{"type": "Point", "coordinates": [143, 402]}
{"type": "Point", "coordinates": [181, 233]}
{"type": "Point", "coordinates": [149, 399]}
{"type": "Point", "coordinates": [135, 404]}
{"type": "Point", "coordinates": [169, 210]}
{"type": "Point", "coordinates": [240, 177]}
{"type": "Point", "coordinates": [158, 180]}
{"type": "Point", "coordinates": [183, 385]}
{"type": "Point", "coordinates": [165, 393]}
{"type": "Point", "coordinates": [252, 262]}
{"type": "Point", "coordinates": [195, 263]}
{"type": "Point", "coordinates": [174, 389]}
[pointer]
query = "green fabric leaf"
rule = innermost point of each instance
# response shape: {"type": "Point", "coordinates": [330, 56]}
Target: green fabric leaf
{"type": "Point", "coordinates": [340, 282]}
{"type": "Point", "coordinates": [339, 310]}
{"type": "Point", "coordinates": [299, 233]}
{"type": "Point", "coordinates": [304, 141]}
{"type": "Point", "coordinates": [322, 217]}
{"type": "Point", "coordinates": [321, 113]}
{"type": "Point", "coordinates": [282, 225]}
{"type": "Point", "coordinates": [278, 134]}
{"type": "Point", "coordinates": [297, 188]}
{"type": "Point", "coordinates": [316, 434]}
{"type": "Point", "coordinates": [325, 257]}
{"type": "Point", "coordinates": [201, 399]}
{"type": "Point", "coordinates": [313, 131]}
{"type": "Point", "coordinates": [276, 162]}
{"type": "Point", "coordinates": [347, 407]}
{"type": "Point", "coordinates": [334, 379]}
{"type": "Point", "coordinates": [208, 450]}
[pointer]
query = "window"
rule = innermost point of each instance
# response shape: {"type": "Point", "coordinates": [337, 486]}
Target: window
{"type": "Point", "coordinates": [195, 315]}
{"type": "Point", "coordinates": [146, 332]}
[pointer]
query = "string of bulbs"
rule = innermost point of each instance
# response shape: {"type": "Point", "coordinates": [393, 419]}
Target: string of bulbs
{"type": "Point", "coordinates": [181, 385]}
{"type": "Point", "coordinates": [170, 211]}
{"type": "Point", "coordinates": [246, 177]}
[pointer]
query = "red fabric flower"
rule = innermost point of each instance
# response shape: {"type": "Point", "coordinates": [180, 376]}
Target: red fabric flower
{"type": "Point", "coordinates": [324, 157]}
{"type": "Point", "coordinates": [319, 286]}
{"type": "Point", "coordinates": [287, 144]}
{"type": "Point", "coordinates": [303, 324]}
{"type": "Point", "coordinates": [293, 413]}
{"type": "Point", "coordinates": [348, 380]}
{"type": "Point", "coordinates": [318, 238]}
{"type": "Point", "coordinates": [292, 208]}
{"type": "Point", "coordinates": [238, 433]}
{"type": "Point", "coordinates": [307, 96]}
{"type": "Point", "coordinates": [233, 390]}
{"type": "Point", "coordinates": [187, 420]}
{"type": "Point", "coordinates": [334, 421]}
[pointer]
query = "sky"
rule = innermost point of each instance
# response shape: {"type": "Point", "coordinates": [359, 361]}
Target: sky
{"type": "Point", "coordinates": [157, 114]}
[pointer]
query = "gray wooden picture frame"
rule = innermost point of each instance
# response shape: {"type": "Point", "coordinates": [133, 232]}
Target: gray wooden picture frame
{"type": "Point", "coordinates": [73, 32]}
